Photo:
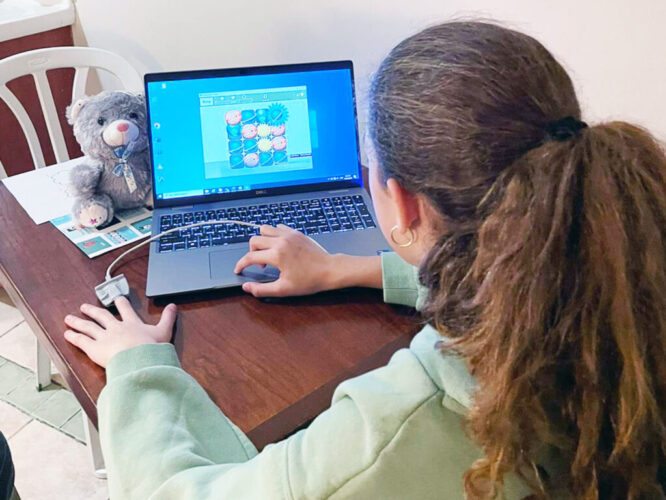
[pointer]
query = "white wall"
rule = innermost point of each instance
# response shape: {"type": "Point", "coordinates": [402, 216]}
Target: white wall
{"type": "Point", "coordinates": [614, 49]}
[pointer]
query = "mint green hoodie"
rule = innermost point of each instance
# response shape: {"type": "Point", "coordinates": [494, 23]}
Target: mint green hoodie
{"type": "Point", "coordinates": [393, 433]}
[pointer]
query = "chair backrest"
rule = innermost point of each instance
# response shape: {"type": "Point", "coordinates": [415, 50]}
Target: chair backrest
{"type": "Point", "coordinates": [37, 63]}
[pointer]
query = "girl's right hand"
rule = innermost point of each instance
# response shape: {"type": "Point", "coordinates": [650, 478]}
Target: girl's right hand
{"type": "Point", "coordinates": [305, 267]}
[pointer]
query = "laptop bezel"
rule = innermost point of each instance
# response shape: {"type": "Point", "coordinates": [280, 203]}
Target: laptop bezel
{"type": "Point", "coordinates": [255, 70]}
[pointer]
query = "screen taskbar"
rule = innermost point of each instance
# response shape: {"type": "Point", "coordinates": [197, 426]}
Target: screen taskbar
{"type": "Point", "coordinates": [236, 189]}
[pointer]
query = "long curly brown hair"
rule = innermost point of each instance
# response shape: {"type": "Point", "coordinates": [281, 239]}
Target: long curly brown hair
{"type": "Point", "coordinates": [550, 268]}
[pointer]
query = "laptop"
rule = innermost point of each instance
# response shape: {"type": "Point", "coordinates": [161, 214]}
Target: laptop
{"type": "Point", "coordinates": [268, 145]}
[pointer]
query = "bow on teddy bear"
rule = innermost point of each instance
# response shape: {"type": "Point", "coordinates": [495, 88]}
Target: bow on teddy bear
{"type": "Point", "coordinates": [115, 174]}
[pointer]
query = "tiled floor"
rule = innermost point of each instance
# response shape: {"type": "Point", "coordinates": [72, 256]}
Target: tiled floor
{"type": "Point", "coordinates": [44, 429]}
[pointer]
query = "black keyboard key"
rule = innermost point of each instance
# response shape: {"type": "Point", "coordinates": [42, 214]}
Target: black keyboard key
{"type": "Point", "coordinates": [231, 239]}
{"type": "Point", "coordinates": [165, 247]}
{"type": "Point", "coordinates": [169, 238]}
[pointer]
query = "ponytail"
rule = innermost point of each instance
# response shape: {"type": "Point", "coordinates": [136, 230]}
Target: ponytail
{"type": "Point", "coordinates": [558, 302]}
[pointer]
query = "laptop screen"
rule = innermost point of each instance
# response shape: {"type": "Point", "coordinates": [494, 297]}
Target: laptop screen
{"type": "Point", "coordinates": [213, 135]}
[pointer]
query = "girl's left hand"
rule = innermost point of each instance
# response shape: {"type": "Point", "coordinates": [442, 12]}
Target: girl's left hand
{"type": "Point", "coordinates": [106, 336]}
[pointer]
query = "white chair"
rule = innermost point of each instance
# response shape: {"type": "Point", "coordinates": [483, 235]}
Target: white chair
{"type": "Point", "coordinates": [37, 63]}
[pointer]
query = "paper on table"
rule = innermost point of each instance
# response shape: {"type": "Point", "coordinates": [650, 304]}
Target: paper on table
{"type": "Point", "coordinates": [44, 193]}
{"type": "Point", "coordinates": [127, 226]}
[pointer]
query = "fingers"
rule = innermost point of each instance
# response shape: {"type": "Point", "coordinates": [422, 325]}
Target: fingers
{"type": "Point", "coordinates": [261, 243]}
{"type": "Point", "coordinates": [125, 309]}
{"type": "Point", "coordinates": [168, 318]}
{"type": "Point", "coordinates": [102, 316]}
{"type": "Point", "coordinates": [260, 257]}
{"type": "Point", "coordinates": [267, 230]}
{"type": "Point", "coordinates": [84, 326]}
{"type": "Point", "coordinates": [83, 342]}
{"type": "Point", "coordinates": [272, 289]}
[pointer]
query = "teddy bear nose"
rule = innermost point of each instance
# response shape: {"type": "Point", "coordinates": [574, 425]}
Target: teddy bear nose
{"type": "Point", "coordinates": [122, 127]}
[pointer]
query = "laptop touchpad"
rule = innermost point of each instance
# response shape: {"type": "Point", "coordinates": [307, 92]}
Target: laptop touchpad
{"type": "Point", "coordinates": [222, 265]}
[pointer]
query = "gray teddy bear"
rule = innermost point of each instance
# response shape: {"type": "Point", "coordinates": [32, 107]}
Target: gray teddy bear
{"type": "Point", "coordinates": [111, 129]}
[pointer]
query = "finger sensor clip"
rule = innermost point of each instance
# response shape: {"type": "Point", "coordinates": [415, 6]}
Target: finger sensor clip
{"type": "Point", "coordinates": [111, 289]}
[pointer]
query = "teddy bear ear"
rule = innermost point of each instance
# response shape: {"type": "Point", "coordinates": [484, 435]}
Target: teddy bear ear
{"type": "Point", "coordinates": [72, 110]}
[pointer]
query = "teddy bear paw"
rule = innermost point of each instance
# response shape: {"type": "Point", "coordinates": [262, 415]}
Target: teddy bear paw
{"type": "Point", "coordinates": [93, 216]}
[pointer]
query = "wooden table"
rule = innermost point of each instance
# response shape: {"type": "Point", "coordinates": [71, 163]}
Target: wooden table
{"type": "Point", "coordinates": [271, 366]}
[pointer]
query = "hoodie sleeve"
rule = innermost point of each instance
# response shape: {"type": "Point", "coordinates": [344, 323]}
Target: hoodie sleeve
{"type": "Point", "coordinates": [163, 437]}
{"type": "Point", "coordinates": [401, 282]}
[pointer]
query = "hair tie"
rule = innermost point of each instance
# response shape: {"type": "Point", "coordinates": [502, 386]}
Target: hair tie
{"type": "Point", "coordinates": [564, 129]}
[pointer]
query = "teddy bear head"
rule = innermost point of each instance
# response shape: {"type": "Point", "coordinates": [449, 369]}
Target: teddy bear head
{"type": "Point", "coordinates": [106, 125]}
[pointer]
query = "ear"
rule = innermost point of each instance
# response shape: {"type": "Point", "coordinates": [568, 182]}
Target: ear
{"type": "Point", "coordinates": [407, 205]}
{"type": "Point", "coordinates": [72, 110]}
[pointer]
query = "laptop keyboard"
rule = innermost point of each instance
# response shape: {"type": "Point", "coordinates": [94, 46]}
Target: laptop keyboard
{"type": "Point", "coordinates": [321, 215]}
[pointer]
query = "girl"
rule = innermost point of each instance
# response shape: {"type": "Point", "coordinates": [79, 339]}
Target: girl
{"type": "Point", "coordinates": [535, 247]}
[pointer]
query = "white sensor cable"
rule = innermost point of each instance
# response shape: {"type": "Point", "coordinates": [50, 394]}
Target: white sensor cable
{"type": "Point", "coordinates": [173, 230]}
{"type": "Point", "coordinates": [113, 287]}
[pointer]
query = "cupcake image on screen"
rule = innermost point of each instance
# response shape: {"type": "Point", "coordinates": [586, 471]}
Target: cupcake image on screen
{"type": "Point", "coordinates": [257, 137]}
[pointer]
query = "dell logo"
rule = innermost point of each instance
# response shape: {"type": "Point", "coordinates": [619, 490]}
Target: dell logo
{"type": "Point", "coordinates": [260, 191]}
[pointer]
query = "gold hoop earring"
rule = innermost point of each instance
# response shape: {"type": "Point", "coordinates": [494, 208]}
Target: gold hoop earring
{"type": "Point", "coordinates": [412, 238]}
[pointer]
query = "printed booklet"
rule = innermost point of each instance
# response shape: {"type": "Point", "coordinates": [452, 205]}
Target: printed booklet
{"type": "Point", "coordinates": [126, 227]}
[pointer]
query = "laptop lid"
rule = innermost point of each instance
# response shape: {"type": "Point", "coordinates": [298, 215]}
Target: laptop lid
{"type": "Point", "coordinates": [248, 132]}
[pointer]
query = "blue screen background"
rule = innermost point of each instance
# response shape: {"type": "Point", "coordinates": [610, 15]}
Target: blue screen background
{"type": "Point", "coordinates": [177, 144]}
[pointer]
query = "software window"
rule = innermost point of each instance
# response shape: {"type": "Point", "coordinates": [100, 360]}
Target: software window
{"type": "Point", "coordinates": [256, 131]}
